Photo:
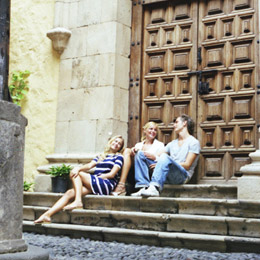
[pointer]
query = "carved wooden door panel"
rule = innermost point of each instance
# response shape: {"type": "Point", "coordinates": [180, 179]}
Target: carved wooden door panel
{"type": "Point", "coordinates": [169, 52]}
{"type": "Point", "coordinates": [180, 47]}
{"type": "Point", "coordinates": [227, 115]}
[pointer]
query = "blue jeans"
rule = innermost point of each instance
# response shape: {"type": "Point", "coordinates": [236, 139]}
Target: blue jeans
{"type": "Point", "coordinates": [169, 171]}
{"type": "Point", "coordinates": [142, 163]}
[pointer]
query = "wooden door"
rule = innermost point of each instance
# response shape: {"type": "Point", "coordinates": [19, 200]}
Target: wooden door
{"type": "Point", "coordinates": [179, 47]}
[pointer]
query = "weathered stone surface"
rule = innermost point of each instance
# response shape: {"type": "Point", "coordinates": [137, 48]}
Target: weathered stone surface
{"type": "Point", "coordinates": [43, 183]}
{"type": "Point", "coordinates": [12, 127]}
{"type": "Point", "coordinates": [248, 188]}
{"type": "Point", "coordinates": [200, 191]}
{"type": "Point", "coordinates": [82, 75]}
{"type": "Point", "coordinates": [33, 253]}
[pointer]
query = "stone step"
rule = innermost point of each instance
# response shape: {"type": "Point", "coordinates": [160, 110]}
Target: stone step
{"type": "Point", "coordinates": [196, 206]}
{"type": "Point", "coordinates": [215, 225]}
{"type": "Point", "coordinates": [200, 191]}
{"type": "Point", "coordinates": [172, 239]}
{"type": "Point", "coordinates": [174, 191]}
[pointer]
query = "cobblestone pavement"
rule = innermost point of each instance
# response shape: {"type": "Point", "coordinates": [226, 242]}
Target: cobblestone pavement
{"type": "Point", "coordinates": [62, 247]}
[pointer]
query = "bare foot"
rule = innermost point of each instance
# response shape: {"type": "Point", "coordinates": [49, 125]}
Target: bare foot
{"type": "Point", "coordinates": [73, 205]}
{"type": "Point", "coordinates": [42, 220]}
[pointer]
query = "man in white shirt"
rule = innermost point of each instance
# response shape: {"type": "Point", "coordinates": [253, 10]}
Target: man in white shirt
{"type": "Point", "coordinates": [178, 160]}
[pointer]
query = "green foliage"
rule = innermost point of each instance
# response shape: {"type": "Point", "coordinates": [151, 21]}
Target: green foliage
{"type": "Point", "coordinates": [27, 185]}
{"type": "Point", "coordinates": [19, 86]}
{"type": "Point", "coordinates": [62, 171]}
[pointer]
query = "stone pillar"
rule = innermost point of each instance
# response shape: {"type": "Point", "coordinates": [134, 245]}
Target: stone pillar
{"type": "Point", "coordinates": [248, 186]}
{"type": "Point", "coordinates": [94, 80]}
{"type": "Point", "coordinates": [12, 127]}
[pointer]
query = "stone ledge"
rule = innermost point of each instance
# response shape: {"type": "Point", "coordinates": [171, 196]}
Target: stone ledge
{"type": "Point", "coordinates": [71, 158]}
{"type": "Point", "coordinates": [33, 253]}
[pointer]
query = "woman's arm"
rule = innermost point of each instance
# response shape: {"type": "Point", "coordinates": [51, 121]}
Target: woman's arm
{"type": "Point", "coordinates": [111, 174]}
{"type": "Point", "coordinates": [75, 171]}
{"type": "Point", "coordinates": [189, 160]}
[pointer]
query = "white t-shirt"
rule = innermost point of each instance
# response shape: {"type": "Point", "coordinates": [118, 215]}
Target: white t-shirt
{"type": "Point", "coordinates": [179, 153]}
{"type": "Point", "coordinates": [155, 148]}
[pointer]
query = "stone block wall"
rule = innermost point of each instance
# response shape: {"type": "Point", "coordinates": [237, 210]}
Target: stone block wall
{"type": "Point", "coordinates": [94, 71]}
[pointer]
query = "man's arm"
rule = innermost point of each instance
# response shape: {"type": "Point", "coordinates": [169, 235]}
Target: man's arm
{"type": "Point", "coordinates": [189, 161]}
{"type": "Point", "coordinates": [161, 152]}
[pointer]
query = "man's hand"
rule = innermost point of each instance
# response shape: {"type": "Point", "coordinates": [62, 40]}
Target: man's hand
{"type": "Point", "coordinates": [133, 151]}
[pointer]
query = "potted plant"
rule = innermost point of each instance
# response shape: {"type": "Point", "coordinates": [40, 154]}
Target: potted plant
{"type": "Point", "coordinates": [60, 177]}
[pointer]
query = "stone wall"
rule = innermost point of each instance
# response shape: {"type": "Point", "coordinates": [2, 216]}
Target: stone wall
{"type": "Point", "coordinates": [94, 71]}
{"type": "Point", "coordinates": [79, 98]}
{"type": "Point", "coordinates": [31, 50]}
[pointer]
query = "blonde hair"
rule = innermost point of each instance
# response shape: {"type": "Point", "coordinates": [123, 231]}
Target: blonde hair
{"type": "Point", "coordinates": [146, 126]}
{"type": "Point", "coordinates": [107, 149]}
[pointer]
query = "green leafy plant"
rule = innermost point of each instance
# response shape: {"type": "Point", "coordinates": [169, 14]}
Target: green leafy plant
{"type": "Point", "coordinates": [19, 86]}
{"type": "Point", "coordinates": [60, 171]}
{"type": "Point", "coordinates": [27, 185]}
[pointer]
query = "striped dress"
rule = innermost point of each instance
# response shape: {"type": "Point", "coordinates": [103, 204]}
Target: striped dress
{"type": "Point", "coordinates": [104, 187]}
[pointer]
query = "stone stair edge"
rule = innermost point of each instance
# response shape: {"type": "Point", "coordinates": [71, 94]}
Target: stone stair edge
{"type": "Point", "coordinates": [141, 232]}
{"type": "Point", "coordinates": [165, 216]}
{"type": "Point", "coordinates": [221, 243]}
{"type": "Point", "coordinates": [76, 157]}
{"type": "Point", "coordinates": [109, 197]}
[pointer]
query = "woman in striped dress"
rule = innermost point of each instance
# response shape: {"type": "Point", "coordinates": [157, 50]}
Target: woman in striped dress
{"type": "Point", "coordinates": [102, 182]}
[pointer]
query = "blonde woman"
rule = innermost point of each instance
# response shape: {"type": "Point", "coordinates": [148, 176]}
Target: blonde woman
{"type": "Point", "coordinates": [149, 147]}
{"type": "Point", "coordinates": [102, 182]}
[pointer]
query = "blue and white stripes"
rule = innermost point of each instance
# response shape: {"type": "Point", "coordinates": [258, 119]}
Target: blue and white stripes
{"type": "Point", "coordinates": [104, 187]}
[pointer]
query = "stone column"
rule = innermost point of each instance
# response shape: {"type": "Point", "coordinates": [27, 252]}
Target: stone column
{"type": "Point", "coordinates": [12, 127]}
{"type": "Point", "coordinates": [248, 186]}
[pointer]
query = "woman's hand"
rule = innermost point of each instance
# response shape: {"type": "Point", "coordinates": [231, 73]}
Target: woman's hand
{"type": "Point", "coordinates": [152, 166]}
{"type": "Point", "coordinates": [102, 176]}
{"type": "Point", "coordinates": [75, 172]}
{"type": "Point", "coordinates": [150, 156]}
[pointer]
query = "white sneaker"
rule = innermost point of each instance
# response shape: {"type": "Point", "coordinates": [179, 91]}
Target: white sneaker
{"type": "Point", "coordinates": [150, 192]}
{"type": "Point", "coordinates": [138, 193]}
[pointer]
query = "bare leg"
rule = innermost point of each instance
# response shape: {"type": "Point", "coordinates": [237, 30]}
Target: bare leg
{"type": "Point", "coordinates": [78, 187]}
{"type": "Point", "coordinates": [120, 188]}
{"type": "Point", "coordinates": [63, 201]}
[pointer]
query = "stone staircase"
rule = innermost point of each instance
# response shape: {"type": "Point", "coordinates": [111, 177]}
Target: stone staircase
{"type": "Point", "coordinates": [203, 217]}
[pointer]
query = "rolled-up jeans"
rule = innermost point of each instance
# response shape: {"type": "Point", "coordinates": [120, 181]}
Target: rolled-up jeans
{"type": "Point", "coordinates": [168, 171]}
{"type": "Point", "coordinates": [142, 163]}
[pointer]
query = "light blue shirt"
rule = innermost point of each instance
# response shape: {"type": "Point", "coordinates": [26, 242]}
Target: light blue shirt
{"type": "Point", "coordinates": [180, 153]}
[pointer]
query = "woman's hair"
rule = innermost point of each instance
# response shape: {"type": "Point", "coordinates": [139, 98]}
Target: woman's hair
{"type": "Point", "coordinates": [108, 147]}
{"type": "Point", "coordinates": [190, 123]}
{"type": "Point", "coordinates": [146, 126]}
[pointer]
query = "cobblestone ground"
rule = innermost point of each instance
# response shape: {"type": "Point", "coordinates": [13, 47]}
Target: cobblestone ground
{"type": "Point", "coordinates": [62, 247]}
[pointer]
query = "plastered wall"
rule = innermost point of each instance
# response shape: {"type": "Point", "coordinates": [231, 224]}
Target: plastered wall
{"type": "Point", "coordinates": [31, 50]}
